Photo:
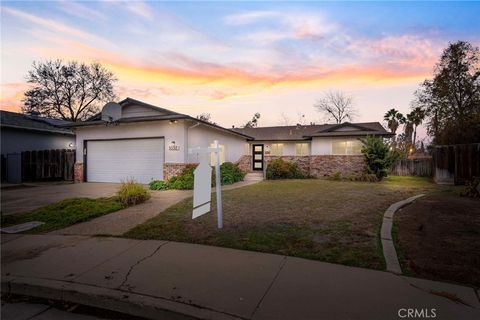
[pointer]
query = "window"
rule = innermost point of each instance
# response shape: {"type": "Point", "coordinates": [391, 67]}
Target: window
{"type": "Point", "coordinates": [347, 147]}
{"type": "Point", "coordinates": [276, 149]}
{"type": "Point", "coordinates": [222, 155]}
{"type": "Point", "coordinates": [301, 149]}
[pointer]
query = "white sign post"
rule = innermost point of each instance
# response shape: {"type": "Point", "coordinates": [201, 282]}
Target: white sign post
{"type": "Point", "coordinates": [202, 183]}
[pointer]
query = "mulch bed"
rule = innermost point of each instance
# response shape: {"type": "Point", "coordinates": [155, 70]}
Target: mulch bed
{"type": "Point", "coordinates": [439, 237]}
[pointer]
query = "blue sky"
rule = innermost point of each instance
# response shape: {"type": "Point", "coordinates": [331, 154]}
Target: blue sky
{"type": "Point", "coordinates": [232, 59]}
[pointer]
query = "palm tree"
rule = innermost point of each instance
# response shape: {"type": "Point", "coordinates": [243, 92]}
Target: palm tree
{"type": "Point", "coordinates": [418, 115]}
{"type": "Point", "coordinates": [409, 122]}
{"type": "Point", "coordinates": [394, 119]}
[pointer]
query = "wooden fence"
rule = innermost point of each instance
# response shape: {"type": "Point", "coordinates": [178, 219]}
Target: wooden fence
{"type": "Point", "coordinates": [48, 165]}
{"type": "Point", "coordinates": [417, 167]}
{"type": "Point", "coordinates": [455, 164]}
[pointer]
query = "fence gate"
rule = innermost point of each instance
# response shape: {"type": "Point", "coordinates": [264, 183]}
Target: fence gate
{"type": "Point", "coordinates": [413, 167]}
{"type": "Point", "coordinates": [48, 165]}
{"type": "Point", "coordinates": [455, 164]}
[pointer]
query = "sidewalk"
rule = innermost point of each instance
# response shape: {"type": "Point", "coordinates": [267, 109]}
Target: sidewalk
{"type": "Point", "coordinates": [159, 278]}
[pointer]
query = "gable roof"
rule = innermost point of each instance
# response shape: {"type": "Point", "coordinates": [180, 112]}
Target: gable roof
{"type": "Point", "coordinates": [306, 132]}
{"type": "Point", "coordinates": [27, 122]}
{"type": "Point", "coordinates": [165, 115]}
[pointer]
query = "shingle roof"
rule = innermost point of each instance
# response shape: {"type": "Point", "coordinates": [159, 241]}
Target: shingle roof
{"type": "Point", "coordinates": [306, 132]}
{"type": "Point", "coordinates": [21, 121]}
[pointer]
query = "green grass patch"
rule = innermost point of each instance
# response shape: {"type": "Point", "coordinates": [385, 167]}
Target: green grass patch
{"type": "Point", "coordinates": [65, 213]}
{"type": "Point", "coordinates": [332, 221]}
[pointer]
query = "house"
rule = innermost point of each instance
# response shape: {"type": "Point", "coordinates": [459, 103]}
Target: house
{"type": "Point", "coordinates": [133, 139]}
{"type": "Point", "coordinates": [20, 132]}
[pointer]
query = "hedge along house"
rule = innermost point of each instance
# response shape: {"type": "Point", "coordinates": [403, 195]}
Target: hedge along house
{"type": "Point", "coordinates": [133, 139]}
{"type": "Point", "coordinates": [318, 149]}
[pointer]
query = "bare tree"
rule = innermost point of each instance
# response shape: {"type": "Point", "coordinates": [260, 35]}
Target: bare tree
{"type": "Point", "coordinates": [337, 106]}
{"type": "Point", "coordinates": [254, 122]}
{"type": "Point", "coordinates": [69, 91]}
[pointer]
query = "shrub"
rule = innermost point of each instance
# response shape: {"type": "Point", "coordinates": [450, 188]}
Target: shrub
{"type": "Point", "coordinates": [280, 169]}
{"type": "Point", "coordinates": [132, 193]}
{"type": "Point", "coordinates": [158, 185]}
{"type": "Point", "coordinates": [337, 176]}
{"type": "Point", "coordinates": [230, 173]}
{"type": "Point", "coordinates": [367, 177]}
{"type": "Point", "coordinates": [472, 188]}
{"type": "Point", "coordinates": [378, 156]}
{"type": "Point", "coordinates": [184, 181]}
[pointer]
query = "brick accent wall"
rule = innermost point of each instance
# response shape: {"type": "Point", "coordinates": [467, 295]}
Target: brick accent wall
{"type": "Point", "coordinates": [245, 163]}
{"type": "Point", "coordinates": [78, 172]}
{"type": "Point", "coordinates": [324, 166]}
{"type": "Point", "coordinates": [174, 169]}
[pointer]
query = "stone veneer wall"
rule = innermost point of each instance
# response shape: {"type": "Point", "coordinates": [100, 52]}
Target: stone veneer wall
{"type": "Point", "coordinates": [174, 169]}
{"type": "Point", "coordinates": [245, 163]}
{"type": "Point", "coordinates": [322, 166]}
{"type": "Point", "coordinates": [78, 172]}
{"type": "Point", "coordinates": [303, 162]}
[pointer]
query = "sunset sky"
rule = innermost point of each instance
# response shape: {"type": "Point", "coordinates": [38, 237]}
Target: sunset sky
{"type": "Point", "coordinates": [232, 59]}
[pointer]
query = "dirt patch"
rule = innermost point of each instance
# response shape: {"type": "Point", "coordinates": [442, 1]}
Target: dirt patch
{"type": "Point", "coordinates": [439, 238]}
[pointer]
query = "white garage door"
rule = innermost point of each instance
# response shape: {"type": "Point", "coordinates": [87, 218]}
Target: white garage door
{"type": "Point", "coordinates": [117, 160]}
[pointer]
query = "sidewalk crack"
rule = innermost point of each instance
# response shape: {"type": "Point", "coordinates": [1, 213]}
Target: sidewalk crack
{"type": "Point", "coordinates": [282, 264]}
{"type": "Point", "coordinates": [140, 261]}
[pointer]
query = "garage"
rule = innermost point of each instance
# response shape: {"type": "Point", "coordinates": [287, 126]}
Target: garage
{"type": "Point", "coordinates": [116, 160]}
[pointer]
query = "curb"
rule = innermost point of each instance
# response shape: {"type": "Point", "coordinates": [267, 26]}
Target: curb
{"type": "Point", "coordinates": [125, 302]}
{"type": "Point", "coordinates": [389, 252]}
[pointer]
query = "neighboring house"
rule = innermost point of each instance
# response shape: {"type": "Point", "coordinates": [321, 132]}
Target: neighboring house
{"type": "Point", "coordinates": [145, 142]}
{"type": "Point", "coordinates": [20, 132]}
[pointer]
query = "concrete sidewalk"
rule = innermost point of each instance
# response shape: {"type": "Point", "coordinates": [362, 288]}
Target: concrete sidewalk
{"type": "Point", "coordinates": [155, 279]}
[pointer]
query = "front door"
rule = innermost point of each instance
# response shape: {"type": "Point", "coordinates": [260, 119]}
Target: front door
{"type": "Point", "coordinates": [257, 152]}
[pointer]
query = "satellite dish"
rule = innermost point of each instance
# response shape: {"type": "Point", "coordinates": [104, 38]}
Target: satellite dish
{"type": "Point", "coordinates": [111, 112]}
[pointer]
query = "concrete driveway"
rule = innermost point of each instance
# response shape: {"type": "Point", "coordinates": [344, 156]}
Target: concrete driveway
{"type": "Point", "coordinates": [28, 198]}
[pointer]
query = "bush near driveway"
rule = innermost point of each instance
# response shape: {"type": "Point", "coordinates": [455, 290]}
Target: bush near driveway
{"type": "Point", "coordinates": [333, 221]}
{"type": "Point", "coordinates": [132, 193]}
{"type": "Point", "coordinates": [71, 211]}
{"type": "Point", "coordinates": [230, 173]}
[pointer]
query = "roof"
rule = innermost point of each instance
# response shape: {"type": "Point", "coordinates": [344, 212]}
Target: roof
{"type": "Point", "coordinates": [306, 132]}
{"type": "Point", "coordinates": [167, 115]}
{"type": "Point", "coordinates": [27, 122]}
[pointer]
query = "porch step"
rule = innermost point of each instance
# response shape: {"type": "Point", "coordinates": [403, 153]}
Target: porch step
{"type": "Point", "coordinates": [253, 176]}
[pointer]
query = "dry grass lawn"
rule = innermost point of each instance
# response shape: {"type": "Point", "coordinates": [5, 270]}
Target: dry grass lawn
{"type": "Point", "coordinates": [332, 221]}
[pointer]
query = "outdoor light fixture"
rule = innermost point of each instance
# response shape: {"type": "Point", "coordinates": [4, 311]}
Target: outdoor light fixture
{"type": "Point", "coordinates": [173, 121]}
{"type": "Point", "coordinates": [71, 144]}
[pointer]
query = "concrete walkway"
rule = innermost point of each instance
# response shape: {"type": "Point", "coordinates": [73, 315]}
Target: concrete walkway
{"type": "Point", "coordinates": [156, 279]}
{"type": "Point", "coordinates": [117, 223]}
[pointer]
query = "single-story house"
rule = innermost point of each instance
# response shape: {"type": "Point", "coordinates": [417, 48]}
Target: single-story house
{"type": "Point", "coordinates": [20, 132]}
{"type": "Point", "coordinates": [133, 139]}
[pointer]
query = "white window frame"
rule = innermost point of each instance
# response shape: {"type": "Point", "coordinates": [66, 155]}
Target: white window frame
{"type": "Point", "coordinates": [276, 149]}
{"type": "Point", "coordinates": [304, 149]}
{"type": "Point", "coordinates": [347, 151]}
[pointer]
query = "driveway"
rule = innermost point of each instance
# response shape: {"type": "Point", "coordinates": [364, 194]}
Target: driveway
{"type": "Point", "coordinates": [29, 198]}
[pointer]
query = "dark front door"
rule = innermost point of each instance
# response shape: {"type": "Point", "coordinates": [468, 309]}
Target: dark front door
{"type": "Point", "coordinates": [257, 156]}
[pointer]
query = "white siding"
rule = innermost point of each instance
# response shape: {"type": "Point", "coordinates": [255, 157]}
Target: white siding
{"type": "Point", "coordinates": [131, 111]}
{"type": "Point", "coordinates": [171, 132]}
{"type": "Point", "coordinates": [203, 136]}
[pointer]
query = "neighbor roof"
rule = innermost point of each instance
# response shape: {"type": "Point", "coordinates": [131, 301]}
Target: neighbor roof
{"type": "Point", "coordinates": [168, 115]}
{"type": "Point", "coordinates": [306, 132]}
{"type": "Point", "coordinates": [27, 122]}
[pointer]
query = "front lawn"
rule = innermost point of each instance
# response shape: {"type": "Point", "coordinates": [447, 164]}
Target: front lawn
{"type": "Point", "coordinates": [332, 221]}
{"type": "Point", "coordinates": [65, 213]}
{"type": "Point", "coordinates": [438, 237]}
